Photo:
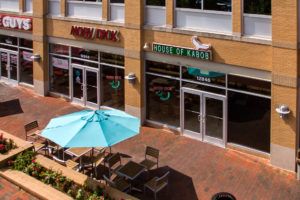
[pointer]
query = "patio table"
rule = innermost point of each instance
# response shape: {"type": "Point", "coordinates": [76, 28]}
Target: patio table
{"type": "Point", "coordinates": [78, 152]}
{"type": "Point", "coordinates": [131, 170]}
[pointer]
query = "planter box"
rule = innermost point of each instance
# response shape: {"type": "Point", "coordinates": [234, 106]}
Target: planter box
{"type": "Point", "coordinates": [33, 186]}
{"type": "Point", "coordinates": [82, 179]}
{"type": "Point", "coordinates": [10, 155]}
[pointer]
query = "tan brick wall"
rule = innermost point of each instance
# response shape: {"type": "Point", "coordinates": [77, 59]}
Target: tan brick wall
{"type": "Point", "coordinates": [134, 12]}
{"type": "Point", "coordinates": [105, 9]}
{"type": "Point", "coordinates": [21, 5]}
{"type": "Point", "coordinates": [62, 29]}
{"type": "Point", "coordinates": [237, 28]}
{"type": "Point", "coordinates": [283, 131]}
{"type": "Point", "coordinates": [170, 13]}
{"type": "Point", "coordinates": [244, 54]}
{"type": "Point", "coordinates": [63, 7]}
{"type": "Point", "coordinates": [285, 61]}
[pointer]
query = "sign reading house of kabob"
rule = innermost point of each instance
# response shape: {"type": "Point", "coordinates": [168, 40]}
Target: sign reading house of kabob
{"type": "Point", "coordinates": [92, 33]}
{"type": "Point", "coordinates": [201, 51]}
{"type": "Point", "coordinates": [14, 22]}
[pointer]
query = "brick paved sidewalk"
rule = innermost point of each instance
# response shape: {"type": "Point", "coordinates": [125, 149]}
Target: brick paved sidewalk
{"type": "Point", "coordinates": [198, 170]}
{"type": "Point", "coordinates": [9, 191]}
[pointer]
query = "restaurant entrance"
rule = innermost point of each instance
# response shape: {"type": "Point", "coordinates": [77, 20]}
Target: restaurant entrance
{"type": "Point", "coordinates": [85, 84]}
{"type": "Point", "coordinates": [9, 66]}
{"type": "Point", "coordinates": [204, 116]}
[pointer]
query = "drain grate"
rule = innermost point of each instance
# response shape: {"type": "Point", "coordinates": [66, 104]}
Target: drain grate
{"type": "Point", "coordinates": [223, 196]}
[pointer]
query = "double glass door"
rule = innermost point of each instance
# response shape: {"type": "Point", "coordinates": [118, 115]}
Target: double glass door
{"type": "Point", "coordinates": [9, 66]}
{"type": "Point", "coordinates": [203, 116]}
{"type": "Point", "coordinates": [85, 86]}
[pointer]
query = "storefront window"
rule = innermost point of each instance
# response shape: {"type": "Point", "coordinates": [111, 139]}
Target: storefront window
{"type": "Point", "coordinates": [8, 40]}
{"type": "Point", "coordinates": [112, 87]}
{"type": "Point", "coordinates": [116, 1]}
{"type": "Point", "coordinates": [84, 54]}
{"type": "Point", "coordinates": [59, 75]}
{"type": "Point", "coordinates": [257, 7]}
{"type": "Point", "coordinates": [218, 5]}
{"type": "Point", "coordinates": [249, 85]}
{"type": "Point", "coordinates": [162, 68]}
{"type": "Point", "coordinates": [85, 63]}
{"type": "Point", "coordinates": [163, 100]}
{"type": "Point", "coordinates": [155, 2]}
{"type": "Point", "coordinates": [204, 88]}
{"type": "Point", "coordinates": [112, 59]}
{"type": "Point", "coordinates": [26, 67]}
{"type": "Point", "coordinates": [26, 43]}
{"type": "Point", "coordinates": [59, 49]}
{"type": "Point", "coordinates": [203, 76]}
{"type": "Point", "coordinates": [249, 121]}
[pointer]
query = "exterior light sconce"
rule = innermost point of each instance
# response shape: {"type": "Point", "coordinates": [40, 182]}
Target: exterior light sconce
{"type": "Point", "coordinates": [36, 57]}
{"type": "Point", "coordinates": [283, 110]}
{"type": "Point", "coordinates": [146, 46]}
{"type": "Point", "coordinates": [131, 77]}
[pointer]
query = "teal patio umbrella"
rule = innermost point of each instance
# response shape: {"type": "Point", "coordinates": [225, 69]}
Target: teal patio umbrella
{"type": "Point", "coordinates": [88, 128]}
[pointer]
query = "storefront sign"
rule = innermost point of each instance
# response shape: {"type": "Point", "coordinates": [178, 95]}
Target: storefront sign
{"type": "Point", "coordinates": [164, 93]}
{"type": "Point", "coordinates": [92, 33]}
{"type": "Point", "coordinates": [60, 63]}
{"type": "Point", "coordinates": [21, 23]}
{"type": "Point", "coordinates": [115, 83]}
{"type": "Point", "coordinates": [182, 51]}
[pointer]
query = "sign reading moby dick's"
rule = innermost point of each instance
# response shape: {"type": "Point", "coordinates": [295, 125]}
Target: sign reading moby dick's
{"type": "Point", "coordinates": [92, 33]}
{"type": "Point", "coordinates": [21, 23]}
{"type": "Point", "coordinates": [182, 51]}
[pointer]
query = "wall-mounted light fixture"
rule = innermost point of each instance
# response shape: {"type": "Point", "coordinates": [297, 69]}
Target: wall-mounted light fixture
{"type": "Point", "coordinates": [147, 45]}
{"type": "Point", "coordinates": [36, 57]}
{"type": "Point", "coordinates": [283, 110]}
{"type": "Point", "coordinates": [131, 77]}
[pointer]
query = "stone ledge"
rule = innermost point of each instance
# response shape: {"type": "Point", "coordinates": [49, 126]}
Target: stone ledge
{"type": "Point", "coordinates": [33, 186]}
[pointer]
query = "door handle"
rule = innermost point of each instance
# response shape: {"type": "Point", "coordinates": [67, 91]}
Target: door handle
{"type": "Point", "coordinates": [199, 118]}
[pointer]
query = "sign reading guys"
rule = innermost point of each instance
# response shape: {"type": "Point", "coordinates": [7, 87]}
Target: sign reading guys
{"type": "Point", "coordinates": [21, 23]}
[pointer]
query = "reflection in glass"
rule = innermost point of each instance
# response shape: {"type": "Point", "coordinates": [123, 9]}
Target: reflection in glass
{"type": "Point", "coordinates": [203, 76]}
{"type": "Point", "coordinates": [26, 67]}
{"type": "Point", "coordinates": [84, 54]}
{"type": "Point", "coordinates": [219, 5]}
{"type": "Point", "coordinates": [162, 68]}
{"type": "Point", "coordinates": [155, 2]}
{"type": "Point", "coordinates": [13, 67]}
{"type": "Point", "coordinates": [59, 81]}
{"type": "Point", "coordinates": [78, 83]}
{"type": "Point", "coordinates": [192, 112]}
{"type": "Point", "coordinates": [91, 87]}
{"type": "Point", "coordinates": [249, 121]}
{"type": "Point", "coordinates": [4, 66]}
{"type": "Point", "coordinates": [8, 40]}
{"type": "Point", "coordinates": [257, 7]}
{"type": "Point", "coordinates": [59, 49]}
{"type": "Point", "coordinates": [188, 4]}
{"type": "Point", "coordinates": [112, 59]}
{"type": "Point", "coordinates": [163, 97]}
{"type": "Point", "coordinates": [213, 118]}
{"type": "Point", "coordinates": [249, 84]}
{"type": "Point", "coordinates": [85, 63]}
{"type": "Point", "coordinates": [112, 87]}
{"type": "Point", "coordinates": [116, 1]}
{"type": "Point", "coordinates": [26, 43]}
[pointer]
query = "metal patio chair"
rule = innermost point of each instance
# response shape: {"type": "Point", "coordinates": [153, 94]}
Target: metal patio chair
{"type": "Point", "coordinates": [151, 158]}
{"type": "Point", "coordinates": [118, 183]}
{"type": "Point", "coordinates": [32, 130]}
{"type": "Point", "coordinates": [95, 162]}
{"type": "Point", "coordinates": [157, 183]}
{"type": "Point", "coordinates": [114, 163]}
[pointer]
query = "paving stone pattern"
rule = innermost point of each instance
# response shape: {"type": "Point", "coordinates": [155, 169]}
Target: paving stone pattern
{"type": "Point", "coordinates": [197, 170]}
{"type": "Point", "coordinates": [9, 191]}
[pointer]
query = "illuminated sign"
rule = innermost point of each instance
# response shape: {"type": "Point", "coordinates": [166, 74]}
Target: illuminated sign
{"type": "Point", "coordinates": [115, 83]}
{"type": "Point", "coordinates": [21, 23]}
{"type": "Point", "coordinates": [92, 33]}
{"type": "Point", "coordinates": [164, 93]}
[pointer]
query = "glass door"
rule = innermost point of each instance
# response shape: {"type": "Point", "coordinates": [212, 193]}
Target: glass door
{"type": "Point", "coordinates": [91, 88]}
{"type": "Point", "coordinates": [85, 84]}
{"type": "Point", "coordinates": [203, 116]}
{"type": "Point", "coordinates": [214, 119]}
{"type": "Point", "coordinates": [9, 67]}
{"type": "Point", "coordinates": [78, 85]}
{"type": "Point", "coordinates": [191, 114]}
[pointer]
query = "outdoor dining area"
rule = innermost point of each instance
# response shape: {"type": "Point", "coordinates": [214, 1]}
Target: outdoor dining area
{"type": "Point", "coordinates": [82, 141]}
